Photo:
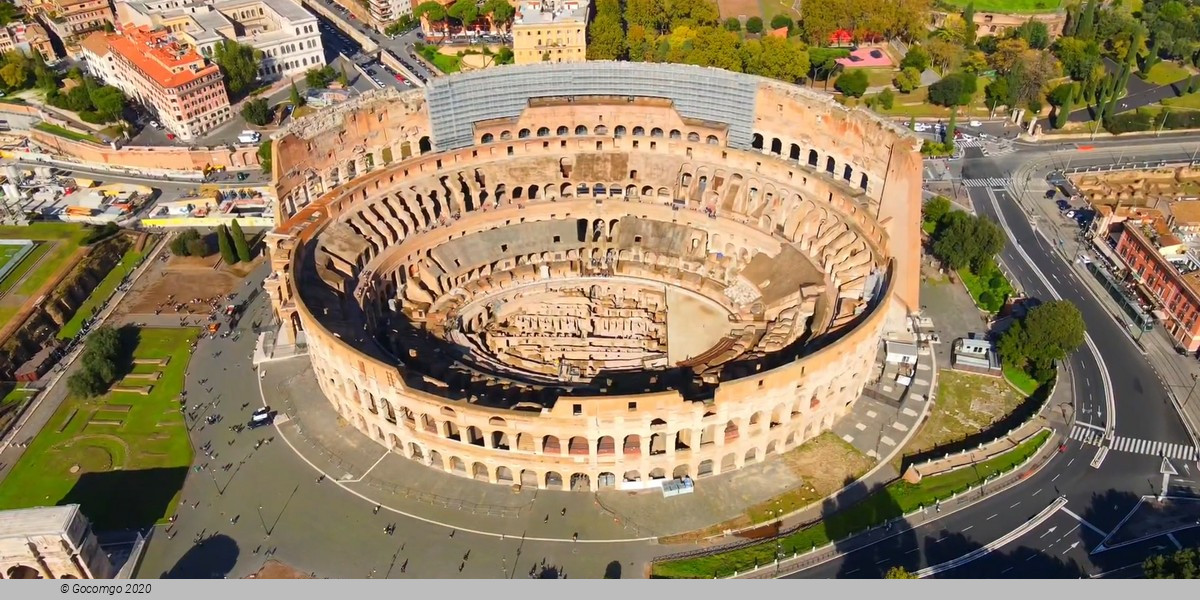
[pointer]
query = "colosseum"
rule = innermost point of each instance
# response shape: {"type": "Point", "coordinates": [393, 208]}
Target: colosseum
{"type": "Point", "coordinates": [596, 275]}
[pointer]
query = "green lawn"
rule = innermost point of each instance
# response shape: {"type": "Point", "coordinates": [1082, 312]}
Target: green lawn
{"type": "Point", "coordinates": [893, 501]}
{"type": "Point", "coordinates": [770, 8]}
{"type": "Point", "coordinates": [124, 475]}
{"type": "Point", "coordinates": [967, 404]}
{"type": "Point", "coordinates": [1021, 380]}
{"type": "Point", "coordinates": [25, 265]}
{"type": "Point", "coordinates": [1009, 6]}
{"type": "Point", "coordinates": [7, 252]}
{"type": "Point", "coordinates": [67, 133]}
{"type": "Point", "coordinates": [44, 262]}
{"type": "Point", "coordinates": [928, 227]}
{"type": "Point", "coordinates": [446, 63]}
{"type": "Point", "coordinates": [976, 287]}
{"type": "Point", "coordinates": [11, 402]}
{"type": "Point", "coordinates": [1165, 72]}
{"type": "Point", "coordinates": [100, 294]}
{"type": "Point", "coordinates": [1185, 101]}
{"type": "Point", "coordinates": [878, 76]}
{"type": "Point", "coordinates": [916, 104]}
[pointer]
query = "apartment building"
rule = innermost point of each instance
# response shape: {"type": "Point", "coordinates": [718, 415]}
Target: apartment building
{"type": "Point", "coordinates": [1164, 272]}
{"type": "Point", "coordinates": [26, 37]}
{"type": "Point", "coordinates": [550, 31]}
{"type": "Point", "coordinates": [184, 89]}
{"type": "Point", "coordinates": [286, 34]}
{"type": "Point", "coordinates": [71, 20]}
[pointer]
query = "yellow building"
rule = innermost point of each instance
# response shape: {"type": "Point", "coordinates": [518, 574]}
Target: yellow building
{"type": "Point", "coordinates": [550, 31]}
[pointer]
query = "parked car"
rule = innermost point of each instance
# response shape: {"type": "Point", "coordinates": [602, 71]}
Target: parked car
{"type": "Point", "coordinates": [155, 124]}
{"type": "Point", "coordinates": [976, 123]}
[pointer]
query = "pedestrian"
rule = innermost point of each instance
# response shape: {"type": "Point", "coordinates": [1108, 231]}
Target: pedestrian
{"type": "Point", "coordinates": [564, 512]}
{"type": "Point", "coordinates": [547, 519]}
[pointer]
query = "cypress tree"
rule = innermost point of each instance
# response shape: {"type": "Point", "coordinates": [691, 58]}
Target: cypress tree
{"type": "Point", "coordinates": [1064, 112]}
{"type": "Point", "coordinates": [969, 17]}
{"type": "Point", "coordinates": [239, 242]}
{"type": "Point", "coordinates": [1087, 22]}
{"type": "Point", "coordinates": [1072, 21]}
{"type": "Point", "coordinates": [223, 244]}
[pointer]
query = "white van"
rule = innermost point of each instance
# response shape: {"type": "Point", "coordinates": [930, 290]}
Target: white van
{"type": "Point", "coordinates": [249, 137]}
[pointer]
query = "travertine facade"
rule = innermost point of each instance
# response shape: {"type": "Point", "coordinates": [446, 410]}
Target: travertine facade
{"type": "Point", "coordinates": [510, 277]}
{"type": "Point", "coordinates": [53, 542]}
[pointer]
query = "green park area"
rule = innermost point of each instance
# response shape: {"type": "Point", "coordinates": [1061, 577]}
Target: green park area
{"type": "Point", "coordinates": [58, 242]}
{"type": "Point", "coordinates": [894, 500]}
{"type": "Point", "coordinates": [67, 133]}
{"type": "Point", "coordinates": [101, 294]}
{"type": "Point", "coordinates": [1008, 6]}
{"type": "Point", "coordinates": [1165, 73]}
{"type": "Point", "coordinates": [123, 453]}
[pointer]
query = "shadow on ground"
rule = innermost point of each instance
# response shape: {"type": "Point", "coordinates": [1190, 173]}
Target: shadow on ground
{"type": "Point", "coordinates": [213, 558]}
{"type": "Point", "coordinates": [116, 500]}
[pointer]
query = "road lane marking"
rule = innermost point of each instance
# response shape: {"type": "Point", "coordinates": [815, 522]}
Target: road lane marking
{"type": "Point", "coordinates": [966, 529]}
{"type": "Point", "coordinates": [1084, 522]}
{"type": "Point", "coordinates": [1015, 505]}
{"type": "Point", "coordinates": [991, 517]}
{"type": "Point", "coordinates": [1038, 491]}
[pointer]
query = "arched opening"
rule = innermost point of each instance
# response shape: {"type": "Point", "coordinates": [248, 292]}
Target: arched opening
{"type": "Point", "coordinates": [486, 138]}
{"type": "Point", "coordinates": [862, 183]}
{"type": "Point", "coordinates": [600, 130]}
{"type": "Point", "coordinates": [830, 165]}
{"type": "Point", "coordinates": [474, 436]}
{"type": "Point", "coordinates": [681, 471]}
{"type": "Point", "coordinates": [776, 146]}
{"type": "Point", "coordinates": [606, 480]}
{"type": "Point", "coordinates": [435, 460]}
{"type": "Point", "coordinates": [632, 476]}
{"type": "Point", "coordinates": [522, 134]}
{"type": "Point", "coordinates": [632, 445]}
{"type": "Point", "coordinates": [424, 145]}
{"type": "Point", "coordinates": [812, 158]}
{"type": "Point", "coordinates": [712, 140]}
{"type": "Point", "coordinates": [23, 572]}
{"type": "Point", "coordinates": [414, 451]}
{"type": "Point", "coordinates": [757, 142]}
{"type": "Point", "coordinates": [659, 473]}
{"type": "Point", "coordinates": [525, 442]}
{"type": "Point", "coordinates": [705, 468]}
{"type": "Point", "coordinates": [550, 445]}
{"type": "Point", "coordinates": [580, 482]}
{"type": "Point", "coordinates": [581, 130]}
{"type": "Point", "coordinates": [751, 456]}
{"type": "Point", "coordinates": [728, 462]}
{"type": "Point", "coordinates": [606, 445]}
{"type": "Point", "coordinates": [639, 131]}
{"type": "Point", "coordinates": [847, 173]}
{"type": "Point", "coordinates": [794, 152]}
{"type": "Point", "coordinates": [772, 447]}
{"type": "Point", "coordinates": [656, 132]}
{"type": "Point", "coordinates": [553, 481]}
{"type": "Point", "coordinates": [457, 465]}
{"type": "Point", "coordinates": [658, 444]}
{"type": "Point", "coordinates": [479, 471]}
{"type": "Point", "coordinates": [619, 131]}
{"type": "Point", "coordinates": [731, 432]}
{"type": "Point", "coordinates": [452, 432]}
{"type": "Point", "coordinates": [577, 446]}
{"type": "Point", "coordinates": [675, 134]}
{"type": "Point", "coordinates": [504, 475]}
{"type": "Point", "coordinates": [500, 440]}
{"type": "Point", "coordinates": [693, 136]}
{"type": "Point", "coordinates": [563, 130]}
{"type": "Point", "coordinates": [543, 131]}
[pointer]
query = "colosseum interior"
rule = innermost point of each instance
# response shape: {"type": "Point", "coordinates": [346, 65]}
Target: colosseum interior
{"type": "Point", "coordinates": [594, 275]}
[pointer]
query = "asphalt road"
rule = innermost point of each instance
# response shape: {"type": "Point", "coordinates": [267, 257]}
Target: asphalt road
{"type": "Point", "coordinates": [1060, 546]}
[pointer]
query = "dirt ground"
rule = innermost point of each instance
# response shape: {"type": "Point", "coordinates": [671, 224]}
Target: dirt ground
{"type": "Point", "coordinates": [180, 280]}
{"type": "Point", "coordinates": [738, 8]}
{"type": "Point", "coordinates": [966, 404]}
{"type": "Point", "coordinates": [274, 569]}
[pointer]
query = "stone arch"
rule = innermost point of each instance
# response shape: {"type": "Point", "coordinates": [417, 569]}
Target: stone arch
{"type": "Point", "coordinates": [619, 131]}
{"type": "Point", "coordinates": [812, 158]}
{"type": "Point", "coordinates": [607, 479]}
{"type": "Point", "coordinates": [415, 452]}
{"type": "Point", "coordinates": [479, 471]}
{"type": "Point", "coordinates": [553, 480]}
{"type": "Point", "coordinates": [754, 420]}
{"type": "Point", "coordinates": [563, 130]}
{"type": "Point", "coordinates": [581, 130]}
{"type": "Point", "coordinates": [639, 131]}
{"type": "Point", "coordinates": [632, 476]}
{"type": "Point", "coordinates": [776, 146]}
{"type": "Point", "coordinates": [656, 132]}
{"type": "Point", "coordinates": [772, 447]}
{"type": "Point", "coordinates": [529, 478]}
{"type": "Point", "coordinates": [486, 138]}
{"type": "Point", "coordinates": [550, 445]}
{"type": "Point", "coordinates": [863, 181]}
{"type": "Point", "coordinates": [794, 152]}
{"type": "Point", "coordinates": [428, 424]}
{"type": "Point", "coordinates": [728, 462]}
{"type": "Point", "coordinates": [847, 172]}
{"type": "Point", "coordinates": [681, 471]}
{"type": "Point", "coordinates": [424, 145]}
{"type": "Point", "coordinates": [504, 475]}
{"type": "Point", "coordinates": [778, 415]}
{"type": "Point", "coordinates": [580, 482]}
{"type": "Point", "coordinates": [435, 460]}
{"type": "Point", "coordinates": [474, 436]}
{"type": "Point", "coordinates": [692, 136]}
{"type": "Point", "coordinates": [606, 445]}
{"type": "Point", "coordinates": [577, 446]}
{"type": "Point", "coordinates": [600, 130]}
{"type": "Point", "coordinates": [712, 140]}
{"type": "Point", "coordinates": [658, 444]}
{"type": "Point", "coordinates": [705, 468]}
{"type": "Point", "coordinates": [731, 431]}
{"type": "Point", "coordinates": [523, 133]}
{"type": "Point", "coordinates": [790, 441]}
{"type": "Point", "coordinates": [23, 572]}
{"type": "Point", "coordinates": [675, 134]}
{"type": "Point", "coordinates": [830, 165]}
{"type": "Point", "coordinates": [632, 445]}
{"type": "Point", "coordinates": [757, 141]}
{"type": "Point", "coordinates": [658, 473]}
{"type": "Point", "coordinates": [751, 455]}
{"type": "Point", "coordinates": [500, 440]}
{"type": "Point", "coordinates": [457, 465]}
{"type": "Point", "coordinates": [543, 131]}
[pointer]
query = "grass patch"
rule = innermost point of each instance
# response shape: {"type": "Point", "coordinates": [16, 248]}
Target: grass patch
{"type": "Point", "coordinates": [916, 104]}
{"type": "Point", "coordinates": [878, 76]}
{"type": "Point", "coordinates": [966, 404]}
{"type": "Point", "coordinates": [892, 501]}
{"type": "Point", "coordinates": [24, 266]}
{"type": "Point", "coordinates": [1165, 72]}
{"type": "Point", "coordinates": [928, 227]}
{"type": "Point", "coordinates": [446, 63]}
{"type": "Point", "coordinates": [822, 466]}
{"type": "Point", "coordinates": [1019, 378]}
{"type": "Point", "coordinates": [988, 291]}
{"type": "Point", "coordinates": [67, 133]}
{"type": "Point", "coordinates": [127, 475]}
{"type": "Point", "coordinates": [1191, 100]}
{"type": "Point", "coordinates": [1009, 6]}
{"type": "Point", "coordinates": [100, 294]}
{"type": "Point", "coordinates": [770, 8]}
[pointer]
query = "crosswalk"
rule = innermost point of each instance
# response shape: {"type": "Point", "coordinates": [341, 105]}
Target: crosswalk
{"type": "Point", "coordinates": [1090, 435]}
{"type": "Point", "coordinates": [986, 182]}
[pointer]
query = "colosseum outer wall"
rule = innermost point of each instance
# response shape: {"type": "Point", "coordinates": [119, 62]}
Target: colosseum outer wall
{"type": "Point", "coordinates": [868, 170]}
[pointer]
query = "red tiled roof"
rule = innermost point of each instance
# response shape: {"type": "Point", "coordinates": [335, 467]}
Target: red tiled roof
{"type": "Point", "coordinates": [160, 58]}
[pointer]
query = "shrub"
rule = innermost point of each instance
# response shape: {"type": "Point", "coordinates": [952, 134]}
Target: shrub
{"type": "Point", "coordinates": [780, 21]}
{"type": "Point", "coordinates": [852, 83]}
{"type": "Point", "coordinates": [754, 25]}
{"type": "Point", "coordinates": [886, 98]}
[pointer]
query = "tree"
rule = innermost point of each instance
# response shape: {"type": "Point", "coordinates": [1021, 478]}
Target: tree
{"type": "Point", "coordinates": [14, 76]}
{"type": "Point", "coordinates": [781, 21]}
{"type": "Point", "coordinates": [606, 38]}
{"type": "Point", "coordinates": [464, 11]}
{"type": "Point", "coordinates": [1078, 57]}
{"type": "Point", "coordinates": [952, 126]}
{"type": "Point", "coordinates": [774, 57]}
{"type": "Point", "coordinates": [85, 383]}
{"type": "Point", "coordinates": [264, 156]}
{"type": "Point", "coordinates": [1035, 33]}
{"type": "Point", "coordinates": [852, 83]}
{"type": "Point", "coordinates": [1047, 333]}
{"type": "Point", "coordinates": [886, 98]}
{"type": "Point", "coordinates": [907, 80]}
{"type": "Point", "coordinates": [319, 78]}
{"type": "Point", "coordinates": [109, 102]}
{"type": "Point", "coordinates": [935, 209]}
{"type": "Point", "coordinates": [500, 11]}
{"type": "Point", "coordinates": [754, 25]}
{"type": "Point", "coordinates": [1184, 564]}
{"type": "Point", "coordinates": [963, 240]}
{"type": "Point", "coordinates": [294, 96]}
{"type": "Point", "coordinates": [916, 58]}
{"type": "Point", "coordinates": [733, 24]}
{"type": "Point", "coordinates": [99, 364]}
{"type": "Point", "coordinates": [432, 10]}
{"type": "Point", "coordinates": [651, 15]}
{"type": "Point", "coordinates": [256, 112]}
{"type": "Point", "coordinates": [900, 572]}
{"type": "Point", "coordinates": [944, 54]}
{"type": "Point", "coordinates": [1062, 113]}
{"type": "Point", "coordinates": [1008, 54]}
{"type": "Point", "coordinates": [239, 65]}
{"type": "Point", "coordinates": [969, 26]}
{"type": "Point", "coordinates": [1086, 28]}
{"type": "Point", "coordinates": [239, 242]}
{"type": "Point", "coordinates": [955, 89]}
{"type": "Point", "coordinates": [224, 246]}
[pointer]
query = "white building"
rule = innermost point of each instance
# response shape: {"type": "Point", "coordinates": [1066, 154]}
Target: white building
{"type": "Point", "coordinates": [286, 34]}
